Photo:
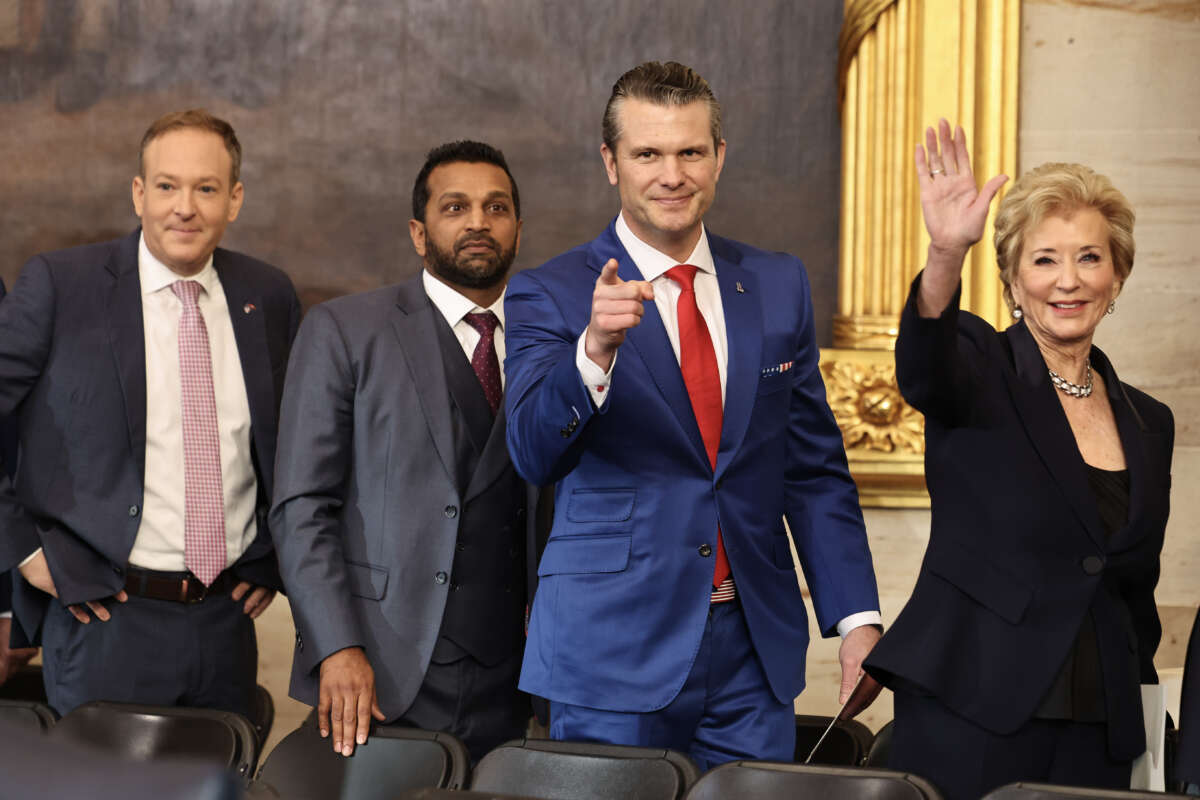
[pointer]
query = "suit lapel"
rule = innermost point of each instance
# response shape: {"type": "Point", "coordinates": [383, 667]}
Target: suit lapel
{"type": "Point", "coordinates": [649, 340]}
{"type": "Point", "coordinates": [1046, 424]}
{"type": "Point", "coordinates": [413, 323]}
{"type": "Point", "coordinates": [250, 336]}
{"type": "Point", "coordinates": [492, 462]}
{"type": "Point", "coordinates": [127, 338]}
{"type": "Point", "coordinates": [743, 331]}
{"type": "Point", "coordinates": [1132, 432]}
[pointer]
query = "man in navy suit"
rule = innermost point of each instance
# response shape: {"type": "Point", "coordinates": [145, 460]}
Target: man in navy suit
{"type": "Point", "coordinates": [11, 659]}
{"type": "Point", "coordinates": [147, 372]}
{"type": "Point", "coordinates": [666, 379]}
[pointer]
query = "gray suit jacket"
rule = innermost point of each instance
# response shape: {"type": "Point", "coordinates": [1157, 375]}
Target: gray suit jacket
{"type": "Point", "coordinates": [367, 504]}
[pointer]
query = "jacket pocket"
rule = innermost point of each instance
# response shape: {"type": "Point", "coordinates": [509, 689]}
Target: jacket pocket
{"type": "Point", "coordinates": [973, 575]}
{"type": "Point", "coordinates": [578, 555]}
{"type": "Point", "coordinates": [601, 505]}
{"type": "Point", "coordinates": [366, 580]}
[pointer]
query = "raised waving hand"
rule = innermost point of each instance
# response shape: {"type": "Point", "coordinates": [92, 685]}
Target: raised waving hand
{"type": "Point", "coordinates": [955, 209]}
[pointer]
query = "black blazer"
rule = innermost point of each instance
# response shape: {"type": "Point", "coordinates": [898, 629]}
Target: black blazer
{"type": "Point", "coordinates": [73, 369]}
{"type": "Point", "coordinates": [1187, 760]}
{"type": "Point", "coordinates": [1017, 553]}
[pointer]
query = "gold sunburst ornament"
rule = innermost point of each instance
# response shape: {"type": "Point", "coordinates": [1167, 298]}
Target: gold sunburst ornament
{"type": "Point", "coordinates": [869, 409]}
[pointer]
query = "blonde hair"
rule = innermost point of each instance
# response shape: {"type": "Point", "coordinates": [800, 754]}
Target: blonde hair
{"type": "Point", "coordinates": [1057, 188]}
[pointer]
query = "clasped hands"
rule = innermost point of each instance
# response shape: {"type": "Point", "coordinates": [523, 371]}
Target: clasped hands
{"type": "Point", "coordinates": [37, 572]}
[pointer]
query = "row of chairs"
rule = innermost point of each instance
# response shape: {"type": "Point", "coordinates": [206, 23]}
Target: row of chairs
{"type": "Point", "coordinates": [409, 763]}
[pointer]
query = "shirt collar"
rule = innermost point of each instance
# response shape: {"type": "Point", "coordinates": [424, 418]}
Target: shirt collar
{"type": "Point", "coordinates": [453, 305]}
{"type": "Point", "coordinates": [156, 276]}
{"type": "Point", "coordinates": [653, 263]}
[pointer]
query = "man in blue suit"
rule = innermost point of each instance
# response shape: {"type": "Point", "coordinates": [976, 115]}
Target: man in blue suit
{"type": "Point", "coordinates": [146, 373]}
{"type": "Point", "coordinates": [666, 379]}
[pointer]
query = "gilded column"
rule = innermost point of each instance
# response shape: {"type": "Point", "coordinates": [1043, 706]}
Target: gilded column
{"type": "Point", "coordinates": [903, 64]}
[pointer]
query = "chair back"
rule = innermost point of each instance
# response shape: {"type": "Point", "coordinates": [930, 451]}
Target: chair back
{"type": "Point", "coordinates": [461, 794]}
{"type": "Point", "coordinates": [394, 759]}
{"type": "Point", "coordinates": [542, 768]}
{"type": "Point", "coordinates": [28, 715]}
{"type": "Point", "coordinates": [145, 733]}
{"type": "Point", "coordinates": [846, 745]}
{"type": "Point", "coordinates": [768, 780]}
{"type": "Point", "coordinates": [881, 747]}
{"type": "Point", "coordinates": [263, 717]}
{"type": "Point", "coordinates": [1045, 791]}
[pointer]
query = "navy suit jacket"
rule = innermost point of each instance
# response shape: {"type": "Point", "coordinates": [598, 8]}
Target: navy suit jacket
{"type": "Point", "coordinates": [625, 578]}
{"type": "Point", "coordinates": [8, 454]}
{"type": "Point", "coordinates": [73, 369]}
{"type": "Point", "coordinates": [1017, 553]}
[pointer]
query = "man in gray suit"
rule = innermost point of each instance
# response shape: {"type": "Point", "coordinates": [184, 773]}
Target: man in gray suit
{"type": "Point", "coordinates": [399, 521]}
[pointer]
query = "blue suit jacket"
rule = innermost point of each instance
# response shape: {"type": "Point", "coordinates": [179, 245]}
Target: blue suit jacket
{"type": "Point", "coordinates": [73, 369]}
{"type": "Point", "coordinates": [624, 587]}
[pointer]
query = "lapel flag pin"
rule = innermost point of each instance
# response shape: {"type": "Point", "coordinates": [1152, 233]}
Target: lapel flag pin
{"type": "Point", "coordinates": [246, 309]}
{"type": "Point", "coordinates": [740, 289]}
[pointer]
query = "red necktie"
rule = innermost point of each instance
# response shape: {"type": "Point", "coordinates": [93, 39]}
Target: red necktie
{"type": "Point", "coordinates": [698, 363]}
{"type": "Point", "coordinates": [204, 498]}
{"type": "Point", "coordinates": [484, 360]}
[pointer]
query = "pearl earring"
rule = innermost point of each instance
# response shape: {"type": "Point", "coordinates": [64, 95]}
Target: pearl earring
{"type": "Point", "coordinates": [1017, 313]}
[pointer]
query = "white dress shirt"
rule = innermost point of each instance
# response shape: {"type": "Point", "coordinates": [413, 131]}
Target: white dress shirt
{"type": "Point", "coordinates": [454, 307]}
{"type": "Point", "coordinates": [160, 537]}
{"type": "Point", "coordinates": [653, 265]}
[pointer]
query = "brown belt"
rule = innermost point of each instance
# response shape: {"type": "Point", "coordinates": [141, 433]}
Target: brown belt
{"type": "Point", "coordinates": [176, 587]}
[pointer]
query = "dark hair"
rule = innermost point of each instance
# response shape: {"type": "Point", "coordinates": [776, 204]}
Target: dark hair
{"type": "Point", "coordinates": [669, 84]}
{"type": "Point", "coordinates": [463, 151]}
{"type": "Point", "coordinates": [202, 120]}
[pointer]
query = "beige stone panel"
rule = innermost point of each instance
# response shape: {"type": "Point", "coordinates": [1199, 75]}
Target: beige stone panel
{"type": "Point", "coordinates": [10, 23]}
{"type": "Point", "coordinates": [898, 539]}
{"type": "Point", "coordinates": [276, 641]}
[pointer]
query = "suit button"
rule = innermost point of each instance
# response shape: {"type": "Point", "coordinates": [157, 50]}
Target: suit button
{"type": "Point", "coordinates": [451, 511]}
{"type": "Point", "coordinates": [572, 425]}
{"type": "Point", "coordinates": [454, 587]}
{"type": "Point", "coordinates": [461, 547]}
{"type": "Point", "coordinates": [1092, 565]}
{"type": "Point", "coordinates": [299, 641]}
{"type": "Point", "coordinates": [440, 578]}
{"type": "Point", "coordinates": [520, 514]}
{"type": "Point", "coordinates": [563, 432]}
{"type": "Point", "coordinates": [705, 550]}
{"type": "Point", "coordinates": [133, 511]}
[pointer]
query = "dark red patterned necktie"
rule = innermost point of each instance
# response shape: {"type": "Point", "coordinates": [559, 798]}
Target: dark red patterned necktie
{"type": "Point", "coordinates": [484, 360]}
{"type": "Point", "coordinates": [698, 363]}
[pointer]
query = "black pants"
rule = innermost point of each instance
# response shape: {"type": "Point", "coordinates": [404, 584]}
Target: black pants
{"type": "Point", "coordinates": [153, 652]}
{"type": "Point", "coordinates": [479, 704]}
{"type": "Point", "coordinates": [966, 762]}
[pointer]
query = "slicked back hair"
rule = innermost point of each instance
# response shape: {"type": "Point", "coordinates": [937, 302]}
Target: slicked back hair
{"type": "Point", "coordinates": [198, 119]}
{"type": "Point", "coordinates": [463, 151]}
{"type": "Point", "coordinates": [663, 84]}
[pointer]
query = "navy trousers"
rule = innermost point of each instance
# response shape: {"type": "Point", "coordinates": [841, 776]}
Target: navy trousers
{"type": "Point", "coordinates": [966, 762]}
{"type": "Point", "coordinates": [153, 652]}
{"type": "Point", "coordinates": [724, 712]}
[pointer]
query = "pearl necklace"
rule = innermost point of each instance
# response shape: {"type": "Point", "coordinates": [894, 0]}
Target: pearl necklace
{"type": "Point", "coordinates": [1073, 389]}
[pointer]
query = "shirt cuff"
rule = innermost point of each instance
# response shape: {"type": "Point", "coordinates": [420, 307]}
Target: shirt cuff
{"type": "Point", "coordinates": [858, 620]}
{"type": "Point", "coordinates": [5, 615]}
{"type": "Point", "coordinates": [595, 379]}
{"type": "Point", "coordinates": [29, 558]}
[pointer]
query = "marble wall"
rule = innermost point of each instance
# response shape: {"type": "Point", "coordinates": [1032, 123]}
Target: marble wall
{"type": "Point", "coordinates": [1114, 84]}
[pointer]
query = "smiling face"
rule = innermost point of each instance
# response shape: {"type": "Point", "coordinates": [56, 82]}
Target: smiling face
{"type": "Point", "coordinates": [666, 168]}
{"type": "Point", "coordinates": [1065, 279]}
{"type": "Point", "coordinates": [471, 232]}
{"type": "Point", "coordinates": [184, 197]}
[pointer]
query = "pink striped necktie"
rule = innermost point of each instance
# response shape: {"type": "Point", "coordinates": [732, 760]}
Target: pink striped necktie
{"type": "Point", "coordinates": [204, 498]}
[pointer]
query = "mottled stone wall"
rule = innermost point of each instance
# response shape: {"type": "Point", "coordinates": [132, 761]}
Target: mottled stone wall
{"type": "Point", "coordinates": [336, 104]}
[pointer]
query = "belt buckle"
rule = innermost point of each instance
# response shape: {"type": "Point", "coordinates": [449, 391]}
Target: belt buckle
{"type": "Point", "coordinates": [183, 592]}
